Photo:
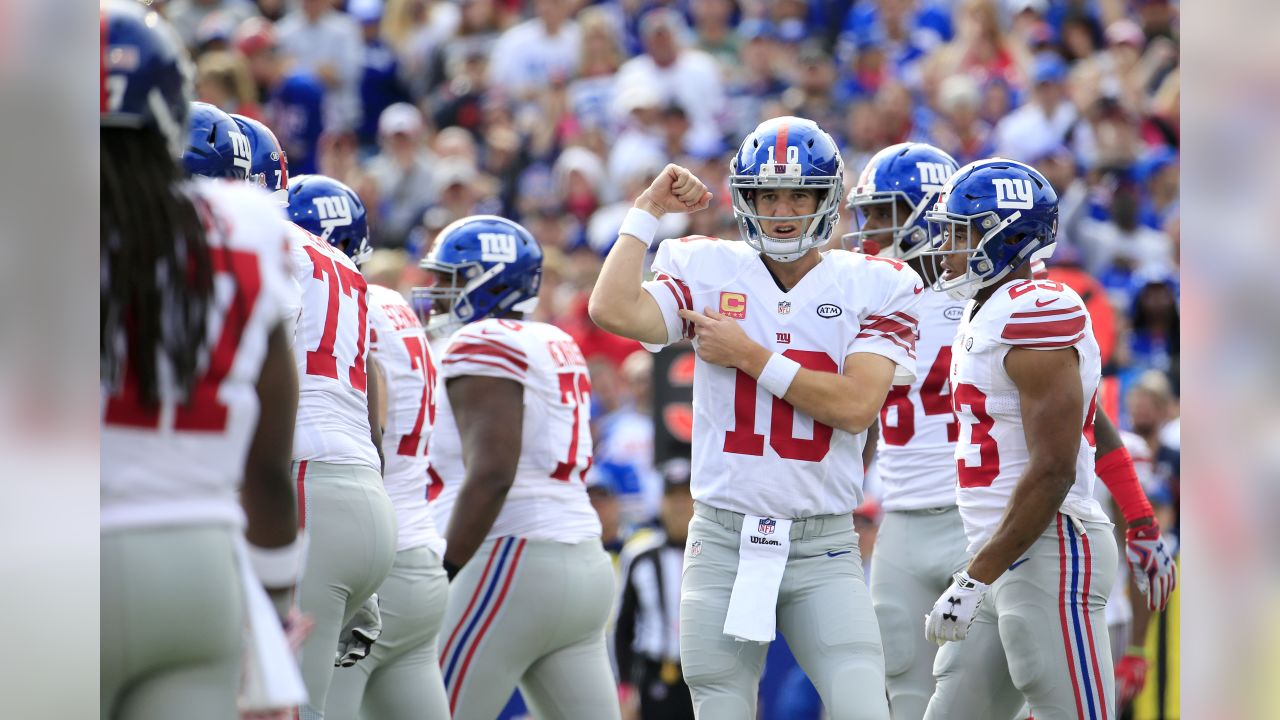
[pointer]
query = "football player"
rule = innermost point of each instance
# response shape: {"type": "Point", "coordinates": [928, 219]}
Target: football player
{"type": "Point", "coordinates": [216, 148]}
{"type": "Point", "coordinates": [268, 165]}
{"type": "Point", "coordinates": [1024, 364]}
{"type": "Point", "coordinates": [797, 349]}
{"type": "Point", "coordinates": [401, 677]}
{"type": "Point", "coordinates": [917, 428]}
{"type": "Point", "coordinates": [532, 587]}
{"type": "Point", "coordinates": [337, 448]}
{"type": "Point", "coordinates": [198, 398]}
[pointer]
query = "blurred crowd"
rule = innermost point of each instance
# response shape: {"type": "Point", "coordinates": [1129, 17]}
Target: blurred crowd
{"type": "Point", "coordinates": [557, 113]}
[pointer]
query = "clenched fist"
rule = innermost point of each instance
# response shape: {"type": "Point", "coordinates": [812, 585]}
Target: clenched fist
{"type": "Point", "coordinates": [676, 189]}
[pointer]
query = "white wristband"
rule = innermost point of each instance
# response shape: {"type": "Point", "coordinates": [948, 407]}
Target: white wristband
{"type": "Point", "coordinates": [280, 567]}
{"type": "Point", "coordinates": [778, 374]}
{"type": "Point", "coordinates": [640, 225]}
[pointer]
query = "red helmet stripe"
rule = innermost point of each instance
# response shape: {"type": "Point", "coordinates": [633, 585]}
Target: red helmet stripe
{"type": "Point", "coordinates": [780, 148]}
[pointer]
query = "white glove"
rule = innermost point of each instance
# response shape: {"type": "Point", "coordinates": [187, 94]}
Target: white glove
{"type": "Point", "coordinates": [954, 611]}
{"type": "Point", "coordinates": [359, 635]}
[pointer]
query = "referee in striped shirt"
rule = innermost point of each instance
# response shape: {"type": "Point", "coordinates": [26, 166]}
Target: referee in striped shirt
{"type": "Point", "coordinates": [647, 640]}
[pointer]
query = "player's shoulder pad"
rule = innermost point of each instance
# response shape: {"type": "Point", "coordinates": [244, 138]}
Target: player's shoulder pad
{"type": "Point", "coordinates": [488, 345]}
{"type": "Point", "coordinates": [677, 254]}
{"type": "Point", "coordinates": [1038, 314]}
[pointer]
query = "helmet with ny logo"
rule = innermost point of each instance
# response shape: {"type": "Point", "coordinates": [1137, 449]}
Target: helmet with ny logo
{"type": "Point", "coordinates": [483, 266]}
{"type": "Point", "coordinates": [332, 211]}
{"type": "Point", "coordinates": [998, 213]}
{"type": "Point", "coordinates": [787, 152]}
{"type": "Point", "coordinates": [215, 146]}
{"type": "Point", "coordinates": [911, 173]}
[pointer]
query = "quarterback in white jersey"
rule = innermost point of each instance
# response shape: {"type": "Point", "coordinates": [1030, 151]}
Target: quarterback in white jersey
{"type": "Point", "coordinates": [197, 399]}
{"type": "Point", "coordinates": [797, 349]}
{"type": "Point", "coordinates": [337, 445]}
{"type": "Point", "coordinates": [532, 586]}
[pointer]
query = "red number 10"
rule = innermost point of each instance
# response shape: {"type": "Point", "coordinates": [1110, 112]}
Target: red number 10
{"type": "Point", "coordinates": [743, 438]}
{"type": "Point", "coordinates": [323, 361]}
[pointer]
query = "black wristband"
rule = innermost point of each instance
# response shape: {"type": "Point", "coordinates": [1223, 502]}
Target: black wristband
{"type": "Point", "coordinates": [451, 570]}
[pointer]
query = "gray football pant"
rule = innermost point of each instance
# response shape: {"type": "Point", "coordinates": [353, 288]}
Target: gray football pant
{"type": "Point", "coordinates": [400, 679]}
{"type": "Point", "coordinates": [917, 552]}
{"type": "Point", "coordinates": [530, 613]}
{"type": "Point", "coordinates": [353, 544]}
{"type": "Point", "coordinates": [824, 611]}
{"type": "Point", "coordinates": [172, 613]}
{"type": "Point", "coordinates": [1040, 636]}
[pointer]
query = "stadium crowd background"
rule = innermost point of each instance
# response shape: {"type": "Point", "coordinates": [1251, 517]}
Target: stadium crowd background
{"type": "Point", "coordinates": [557, 113]}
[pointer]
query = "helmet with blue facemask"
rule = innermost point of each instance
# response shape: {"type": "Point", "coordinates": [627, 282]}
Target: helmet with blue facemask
{"type": "Point", "coordinates": [484, 266]}
{"type": "Point", "coordinates": [997, 213]}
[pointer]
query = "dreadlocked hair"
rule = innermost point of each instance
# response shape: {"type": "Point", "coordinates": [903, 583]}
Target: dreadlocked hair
{"type": "Point", "coordinates": [156, 273]}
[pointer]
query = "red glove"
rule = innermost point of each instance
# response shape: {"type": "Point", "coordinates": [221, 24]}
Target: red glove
{"type": "Point", "coordinates": [1151, 562]}
{"type": "Point", "coordinates": [1131, 675]}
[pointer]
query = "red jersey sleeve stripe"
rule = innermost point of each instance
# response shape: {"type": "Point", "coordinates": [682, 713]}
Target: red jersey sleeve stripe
{"type": "Point", "coordinates": [886, 324]}
{"type": "Point", "coordinates": [487, 340]}
{"type": "Point", "coordinates": [1047, 313]}
{"type": "Point", "coordinates": [908, 319]}
{"type": "Point", "coordinates": [1053, 344]}
{"type": "Point", "coordinates": [500, 364]}
{"type": "Point", "coordinates": [1044, 330]}
{"type": "Point", "coordinates": [907, 344]}
{"type": "Point", "coordinates": [462, 351]}
{"type": "Point", "coordinates": [684, 290]}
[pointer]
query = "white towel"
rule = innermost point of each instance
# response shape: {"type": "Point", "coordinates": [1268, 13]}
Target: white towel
{"type": "Point", "coordinates": [762, 558]}
{"type": "Point", "coordinates": [271, 676]}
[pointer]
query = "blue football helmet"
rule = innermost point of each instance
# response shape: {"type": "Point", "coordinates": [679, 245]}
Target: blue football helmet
{"type": "Point", "coordinates": [787, 152]}
{"type": "Point", "coordinates": [268, 165]}
{"type": "Point", "coordinates": [215, 146]}
{"type": "Point", "coordinates": [484, 266]}
{"type": "Point", "coordinates": [331, 211]}
{"type": "Point", "coordinates": [996, 212]}
{"type": "Point", "coordinates": [910, 172]}
{"type": "Point", "coordinates": [146, 74]}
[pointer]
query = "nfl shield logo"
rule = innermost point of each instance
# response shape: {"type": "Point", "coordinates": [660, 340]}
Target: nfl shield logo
{"type": "Point", "coordinates": [767, 525]}
{"type": "Point", "coordinates": [784, 307]}
{"type": "Point", "coordinates": [695, 549]}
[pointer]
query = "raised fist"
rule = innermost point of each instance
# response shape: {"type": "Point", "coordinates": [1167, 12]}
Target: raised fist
{"type": "Point", "coordinates": [676, 189]}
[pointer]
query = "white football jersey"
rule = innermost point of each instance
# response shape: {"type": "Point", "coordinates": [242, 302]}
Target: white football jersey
{"type": "Point", "coordinates": [178, 464]}
{"type": "Point", "coordinates": [548, 500]}
{"type": "Point", "coordinates": [991, 453]}
{"type": "Point", "coordinates": [916, 456]}
{"type": "Point", "coordinates": [330, 345]}
{"type": "Point", "coordinates": [754, 453]}
{"type": "Point", "coordinates": [397, 342]}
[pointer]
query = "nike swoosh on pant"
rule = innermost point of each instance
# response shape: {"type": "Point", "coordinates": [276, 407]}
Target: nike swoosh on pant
{"type": "Point", "coordinates": [838, 554]}
{"type": "Point", "coordinates": [1015, 565]}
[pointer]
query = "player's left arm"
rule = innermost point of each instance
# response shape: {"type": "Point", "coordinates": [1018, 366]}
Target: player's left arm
{"type": "Point", "coordinates": [1049, 393]}
{"type": "Point", "coordinates": [490, 416]}
{"type": "Point", "coordinates": [1150, 560]}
